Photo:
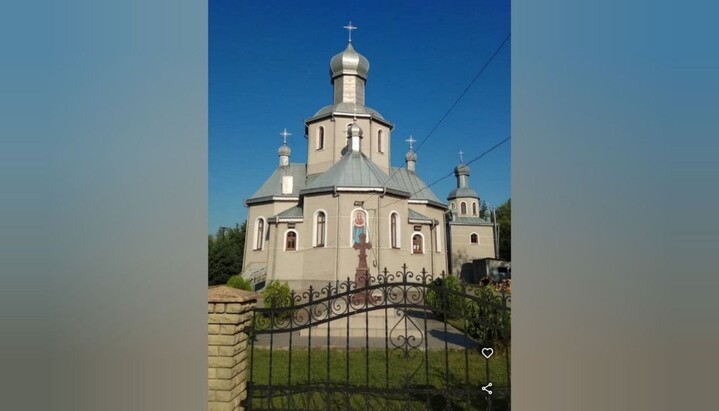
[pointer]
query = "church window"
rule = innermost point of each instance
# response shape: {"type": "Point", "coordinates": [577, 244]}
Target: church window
{"type": "Point", "coordinates": [259, 233]}
{"type": "Point", "coordinates": [291, 241]}
{"type": "Point", "coordinates": [417, 244]}
{"type": "Point", "coordinates": [394, 229]}
{"type": "Point", "coordinates": [321, 138]}
{"type": "Point", "coordinates": [474, 238]}
{"type": "Point", "coordinates": [463, 208]}
{"type": "Point", "coordinates": [438, 239]}
{"type": "Point", "coordinates": [454, 205]}
{"type": "Point", "coordinates": [379, 142]}
{"type": "Point", "coordinates": [320, 229]}
{"type": "Point", "coordinates": [474, 208]}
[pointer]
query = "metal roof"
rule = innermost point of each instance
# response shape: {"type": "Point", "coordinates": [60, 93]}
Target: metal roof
{"type": "Point", "coordinates": [354, 170]}
{"type": "Point", "coordinates": [349, 109]}
{"type": "Point", "coordinates": [409, 181]}
{"type": "Point", "coordinates": [464, 220]}
{"type": "Point", "coordinates": [415, 216]}
{"type": "Point", "coordinates": [293, 213]}
{"type": "Point", "coordinates": [273, 185]}
{"type": "Point", "coordinates": [462, 192]}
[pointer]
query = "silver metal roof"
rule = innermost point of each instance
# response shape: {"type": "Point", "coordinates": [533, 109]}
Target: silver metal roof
{"type": "Point", "coordinates": [354, 170]}
{"type": "Point", "coordinates": [464, 220]}
{"type": "Point", "coordinates": [462, 192]}
{"type": "Point", "coordinates": [347, 109]}
{"type": "Point", "coordinates": [415, 216]}
{"type": "Point", "coordinates": [293, 213]}
{"type": "Point", "coordinates": [273, 185]}
{"type": "Point", "coordinates": [349, 62]}
{"type": "Point", "coordinates": [409, 181]}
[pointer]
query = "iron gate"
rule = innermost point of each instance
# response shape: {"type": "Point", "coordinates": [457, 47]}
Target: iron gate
{"type": "Point", "coordinates": [402, 341]}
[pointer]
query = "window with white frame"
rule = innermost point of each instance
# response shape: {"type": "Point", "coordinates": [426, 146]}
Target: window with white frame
{"type": "Point", "coordinates": [474, 208]}
{"type": "Point", "coordinates": [380, 147]}
{"type": "Point", "coordinates": [259, 233]}
{"type": "Point", "coordinates": [321, 138]}
{"type": "Point", "coordinates": [291, 240]}
{"type": "Point", "coordinates": [474, 238]}
{"type": "Point", "coordinates": [463, 208]}
{"type": "Point", "coordinates": [320, 228]}
{"type": "Point", "coordinates": [394, 229]}
{"type": "Point", "coordinates": [417, 243]}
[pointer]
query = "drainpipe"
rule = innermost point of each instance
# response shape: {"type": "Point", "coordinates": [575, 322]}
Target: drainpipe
{"type": "Point", "coordinates": [337, 239]}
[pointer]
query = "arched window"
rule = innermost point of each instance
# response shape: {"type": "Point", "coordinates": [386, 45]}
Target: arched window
{"type": "Point", "coordinates": [474, 238]}
{"type": "Point", "coordinates": [320, 229]}
{"type": "Point", "coordinates": [417, 243]}
{"type": "Point", "coordinates": [463, 208]}
{"type": "Point", "coordinates": [394, 229]}
{"type": "Point", "coordinates": [454, 205]}
{"type": "Point", "coordinates": [259, 233]}
{"type": "Point", "coordinates": [321, 138]}
{"type": "Point", "coordinates": [291, 241]}
{"type": "Point", "coordinates": [438, 239]}
{"type": "Point", "coordinates": [379, 142]}
{"type": "Point", "coordinates": [474, 208]}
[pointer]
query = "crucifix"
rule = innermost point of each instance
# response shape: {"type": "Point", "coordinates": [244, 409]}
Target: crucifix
{"type": "Point", "coordinates": [349, 28]}
{"type": "Point", "coordinates": [284, 135]}
{"type": "Point", "coordinates": [411, 141]}
{"type": "Point", "coordinates": [461, 158]}
{"type": "Point", "coordinates": [362, 269]}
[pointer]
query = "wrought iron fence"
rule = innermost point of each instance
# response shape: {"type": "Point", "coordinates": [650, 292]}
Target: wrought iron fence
{"type": "Point", "coordinates": [400, 341]}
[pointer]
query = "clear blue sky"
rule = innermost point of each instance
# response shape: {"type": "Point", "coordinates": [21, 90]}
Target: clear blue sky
{"type": "Point", "coordinates": [269, 70]}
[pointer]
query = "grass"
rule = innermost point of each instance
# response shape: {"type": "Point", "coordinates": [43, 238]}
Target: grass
{"type": "Point", "coordinates": [376, 379]}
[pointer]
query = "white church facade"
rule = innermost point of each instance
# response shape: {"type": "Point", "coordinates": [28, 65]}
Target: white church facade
{"type": "Point", "coordinates": [305, 219]}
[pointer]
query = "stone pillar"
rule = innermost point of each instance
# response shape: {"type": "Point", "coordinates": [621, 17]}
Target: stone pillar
{"type": "Point", "coordinates": [230, 315]}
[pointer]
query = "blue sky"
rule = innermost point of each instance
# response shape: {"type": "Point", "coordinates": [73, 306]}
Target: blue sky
{"type": "Point", "coordinates": [269, 70]}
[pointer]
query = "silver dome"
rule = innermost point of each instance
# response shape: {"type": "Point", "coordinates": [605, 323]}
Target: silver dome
{"type": "Point", "coordinates": [461, 169]}
{"type": "Point", "coordinates": [284, 150]}
{"type": "Point", "coordinates": [411, 156]}
{"type": "Point", "coordinates": [349, 62]}
{"type": "Point", "coordinates": [354, 130]}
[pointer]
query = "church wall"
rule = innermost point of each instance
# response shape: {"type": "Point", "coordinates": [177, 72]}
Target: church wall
{"type": "Point", "coordinates": [464, 251]}
{"type": "Point", "coordinates": [319, 161]}
{"type": "Point", "coordinates": [457, 202]}
{"type": "Point", "coordinates": [266, 211]}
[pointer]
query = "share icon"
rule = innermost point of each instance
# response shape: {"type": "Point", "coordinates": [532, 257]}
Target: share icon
{"type": "Point", "coordinates": [486, 388]}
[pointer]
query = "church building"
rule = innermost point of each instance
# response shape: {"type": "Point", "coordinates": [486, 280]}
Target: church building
{"type": "Point", "coordinates": [305, 221]}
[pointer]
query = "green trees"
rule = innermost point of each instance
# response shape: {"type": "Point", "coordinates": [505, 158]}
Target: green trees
{"type": "Point", "coordinates": [504, 218]}
{"type": "Point", "coordinates": [225, 251]}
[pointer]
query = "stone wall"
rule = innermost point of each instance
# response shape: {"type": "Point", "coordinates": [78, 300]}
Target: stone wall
{"type": "Point", "coordinates": [229, 316]}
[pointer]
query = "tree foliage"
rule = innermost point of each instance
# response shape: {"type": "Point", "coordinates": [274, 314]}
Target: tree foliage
{"type": "Point", "coordinates": [504, 218]}
{"type": "Point", "coordinates": [225, 251]}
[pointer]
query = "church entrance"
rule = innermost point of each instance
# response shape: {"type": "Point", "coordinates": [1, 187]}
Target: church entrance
{"type": "Point", "coordinates": [400, 340]}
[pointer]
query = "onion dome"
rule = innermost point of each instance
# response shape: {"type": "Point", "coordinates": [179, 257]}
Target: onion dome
{"type": "Point", "coordinates": [411, 156]}
{"type": "Point", "coordinates": [461, 170]}
{"type": "Point", "coordinates": [354, 130]}
{"type": "Point", "coordinates": [284, 150]}
{"type": "Point", "coordinates": [349, 62]}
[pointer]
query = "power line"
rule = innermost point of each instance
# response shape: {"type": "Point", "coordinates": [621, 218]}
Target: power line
{"type": "Point", "coordinates": [471, 83]}
{"type": "Point", "coordinates": [426, 187]}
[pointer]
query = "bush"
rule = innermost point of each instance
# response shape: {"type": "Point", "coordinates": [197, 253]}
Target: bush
{"type": "Point", "coordinates": [493, 324]}
{"type": "Point", "coordinates": [277, 295]}
{"type": "Point", "coordinates": [444, 303]}
{"type": "Point", "coordinates": [236, 281]}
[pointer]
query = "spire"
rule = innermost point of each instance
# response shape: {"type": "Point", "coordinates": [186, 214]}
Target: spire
{"type": "Point", "coordinates": [411, 156]}
{"type": "Point", "coordinates": [284, 151]}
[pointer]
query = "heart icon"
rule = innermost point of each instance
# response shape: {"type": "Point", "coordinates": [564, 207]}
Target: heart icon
{"type": "Point", "coordinates": [487, 352]}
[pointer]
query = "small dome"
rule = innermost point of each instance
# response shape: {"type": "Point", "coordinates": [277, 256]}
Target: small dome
{"type": "Point", "coordinates": [354, 130]}
{"type": "Point", "coordinates": [349, 62]}
{"type": "Point", "coordinates": [284, 150]}
{"type": "Point", "coordinates": [461, 170]}
{"type": "Point", "coordinates": [411, 156]}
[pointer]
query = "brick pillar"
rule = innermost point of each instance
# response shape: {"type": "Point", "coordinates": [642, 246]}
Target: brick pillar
{"type": "Point", "coordinates": [230, 314]}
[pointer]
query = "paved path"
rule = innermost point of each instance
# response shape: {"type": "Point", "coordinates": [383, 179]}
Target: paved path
{"type": "Point", "coordinates": [437, 337]}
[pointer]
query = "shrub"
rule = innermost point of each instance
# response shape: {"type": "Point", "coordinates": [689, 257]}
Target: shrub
{"type": "Point", "coordinates": [443, 302]}
{"type": "Point", "coordinates": [493, 324]}
{"type": "Point", "coordinates": [236, 281]}
{"type": "Point", "coordinates": [277, 295]}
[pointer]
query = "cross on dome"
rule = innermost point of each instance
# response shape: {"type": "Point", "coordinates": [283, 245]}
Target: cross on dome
{"type": "Point", "coordinates": [411, 141]}
{"type": "Point", "coordinates": [284, 135]}
{"type": "Point", "coordinates": [461, 156]}
{"type": "Point", "coordinates": [349, 29]}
